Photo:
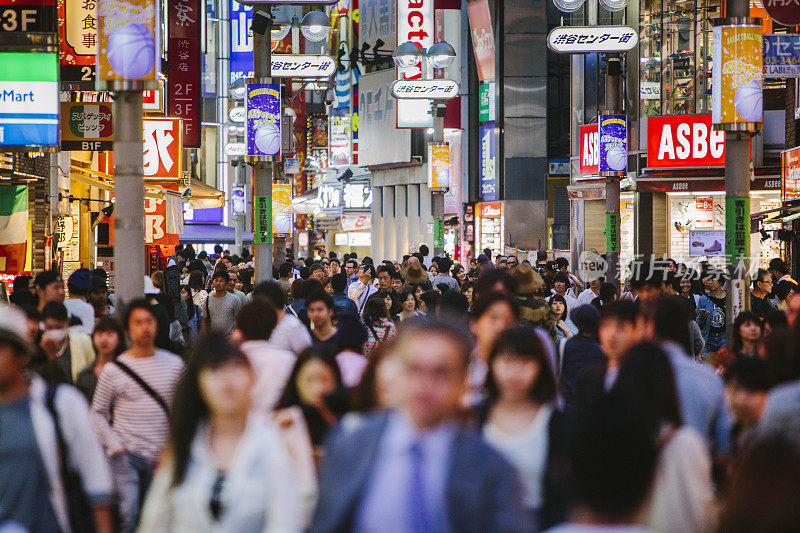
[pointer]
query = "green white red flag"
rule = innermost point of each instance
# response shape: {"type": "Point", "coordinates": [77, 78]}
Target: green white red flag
{"type": "Point", "coordinates": [13, 228]}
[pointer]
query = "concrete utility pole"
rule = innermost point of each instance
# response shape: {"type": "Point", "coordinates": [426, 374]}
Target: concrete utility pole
{"type": "Point", "coordinates": [129, 247]}
{"type": "Point", "coordinates": [613, 107]}
{"type": "Point", "coordinates": [737, 202]}
{"type": "Point", "coordinates": [437, 200]}
{"type": "Point", "coordinates": [262, 175]}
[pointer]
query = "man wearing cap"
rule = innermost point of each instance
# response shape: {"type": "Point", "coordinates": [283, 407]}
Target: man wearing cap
{"type": "Point", "coordinates": [78, 284]}
{"type": "Point", "coordinates": [49, 288]}
{"type": "Point", "coordinates": [33, 492]}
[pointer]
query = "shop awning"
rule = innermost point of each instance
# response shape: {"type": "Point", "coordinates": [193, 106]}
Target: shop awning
{"type": "Point", "coordinates": [212, 234]}
{"type": "Point", "coordinates": [307, 203]}
{"type": "Point", "coordinates": [204, 196]}
{"type": "Point", "coordinates": [703, 180]}
{"type": "Point", "coordinates": [587, 190]}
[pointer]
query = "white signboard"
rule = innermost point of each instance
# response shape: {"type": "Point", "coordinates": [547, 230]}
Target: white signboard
{"type": "Point", "coordinates": [650, 90]}
{"type": "Point", "coordinates": [378, 20]}
{"type": "Point", "coordinates": [591, 39]}
{"type": "Point", "coordinates": [379, 141]}
{"type": "Point", "coordinates": [235, 149]}
{"type": "Point", "coordinates": [425, 89]}
{"type": "Point", "coordinates": [237, 114]}
{"type": "Point", "coordinates": [302, 66]}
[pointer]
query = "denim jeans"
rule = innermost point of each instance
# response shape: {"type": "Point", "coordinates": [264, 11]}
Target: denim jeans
{"type": "Point", "coordinates": [132, 476]}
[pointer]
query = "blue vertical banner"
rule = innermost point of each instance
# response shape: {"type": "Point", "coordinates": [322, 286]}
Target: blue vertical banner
{"type": "Point", "coordinates": [613, 134]}
{"type": "Point", "coordinates": [241, 41]}
{"type": "Point", "coordinates": [263, 106]}
{"type": "Point", "coordinates": [488, 162]}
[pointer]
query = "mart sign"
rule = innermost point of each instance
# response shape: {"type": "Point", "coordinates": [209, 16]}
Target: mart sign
{"type": "Point", "coordinates": [684, 141]}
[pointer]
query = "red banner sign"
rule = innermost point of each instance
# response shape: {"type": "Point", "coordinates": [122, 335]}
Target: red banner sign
{"type": "Point", "coordinates": [162, 148]}
{"type": "Point", "coordinates": [490, 210]}
{"type": "Point", "coordinates": [155, 218]}
{"type": "Point", "coordinates": [480, 23]}
{"type": "Point", "coordinates": [590, 150]}
{"type": "Point", "coordinates": [184, 72]}
{"type": "Point", "coordinates": [790, 174]}
{"type": "Point", "coordinates": [684, 141]}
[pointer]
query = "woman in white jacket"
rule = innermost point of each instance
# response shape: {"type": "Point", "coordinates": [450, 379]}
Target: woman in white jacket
{"type": "Point", "coordinates": [225, 470]}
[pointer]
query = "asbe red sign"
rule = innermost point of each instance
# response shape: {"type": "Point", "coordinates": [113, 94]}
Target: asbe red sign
{"type": "Point", "coordinates": [684, 141]}
{"type": "Point", "coordinates": [590, 149]}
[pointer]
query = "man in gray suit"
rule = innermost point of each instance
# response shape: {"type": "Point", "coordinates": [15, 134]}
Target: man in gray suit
{"type": "Point", "coordinates": [416, 469]}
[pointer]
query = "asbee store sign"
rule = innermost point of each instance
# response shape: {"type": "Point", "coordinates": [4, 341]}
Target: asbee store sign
{"type": "Point", "coordinates": [684, 141]}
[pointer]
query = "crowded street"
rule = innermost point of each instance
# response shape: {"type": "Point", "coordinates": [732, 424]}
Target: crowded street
{"type": "Point", "coordinates": [399, 266]}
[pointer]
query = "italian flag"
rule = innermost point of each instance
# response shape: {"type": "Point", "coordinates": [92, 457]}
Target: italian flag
{"type": "Point", "coordinates": [13, 228]}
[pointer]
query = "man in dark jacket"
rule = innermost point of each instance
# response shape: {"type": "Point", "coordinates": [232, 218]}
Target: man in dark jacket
{"type": "Point", "coordinates": [580, 352]}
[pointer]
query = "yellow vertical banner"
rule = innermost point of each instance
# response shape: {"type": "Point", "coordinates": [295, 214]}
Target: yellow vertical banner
{"type": "Point", "coordinates": [737, 76]}
{"type": "Point", "coordinates": [281, 209]}
{"type": "Point", "coordinates": [129, 45]}
{"type": "Point", "coordinates": [438, 166]}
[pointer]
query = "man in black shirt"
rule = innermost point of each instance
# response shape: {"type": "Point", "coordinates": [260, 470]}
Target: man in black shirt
{"type": "Point", "coordinates": [762, 285]}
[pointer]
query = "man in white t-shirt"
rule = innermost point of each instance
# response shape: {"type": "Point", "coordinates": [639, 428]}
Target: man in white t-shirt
{"type": "Point", "coordinates": [590, 293]}
{"type": "Point", "coordinates": [290, 334]}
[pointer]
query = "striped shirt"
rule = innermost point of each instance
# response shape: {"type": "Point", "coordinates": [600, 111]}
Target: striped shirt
{"type": "Point", "coordinates": [139, 423]}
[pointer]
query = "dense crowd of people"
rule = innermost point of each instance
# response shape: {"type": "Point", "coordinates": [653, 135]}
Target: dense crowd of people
{"type": "Point", "coordinates": [418, 395]}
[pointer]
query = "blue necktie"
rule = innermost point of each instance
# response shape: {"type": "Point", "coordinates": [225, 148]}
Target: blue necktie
{"type": "Point", "coordinates": [419, 518]}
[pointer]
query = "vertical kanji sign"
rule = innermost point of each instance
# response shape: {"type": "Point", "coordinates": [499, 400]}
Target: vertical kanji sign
{"type": "Point", "coordinates": [77, 47]}
{"type": "Point", "coordinates": [162, 148]}
{"type": "Point", "coordinates": [184, 72]}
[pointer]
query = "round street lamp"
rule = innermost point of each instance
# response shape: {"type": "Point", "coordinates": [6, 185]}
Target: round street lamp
{"type": "Point", "coordinates": [315, 26]}
{"type": "Point", "coordinates": [238, 89]}
{"type": "Point", "coordinates": [568, 6]}
{"type": "Point", "coordinates": [614, 5]}
{"type": "Point", "coordinates": [407, 55]}
{"type": "Point", "coordinates": [281, 25]}
{"type": "Point", "coordinates": [441, 55]}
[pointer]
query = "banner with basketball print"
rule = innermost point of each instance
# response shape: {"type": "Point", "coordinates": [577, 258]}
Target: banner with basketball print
{"type": "Point", "coordinates": [737, 76]}
{"type": "Point", "coordinates": [281, 210]}
{"type": "Point", "coordinates": [128, 41]}
{"type": "Point", "coordinates": [263, 112]}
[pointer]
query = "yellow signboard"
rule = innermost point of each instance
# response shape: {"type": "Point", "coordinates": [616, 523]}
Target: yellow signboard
{"type": "Point", "coordinates": [281, 209]}
{"type": "Point", "coordinates": [737, 76]}
{"type": "Point", "coordinates": [438, 166]}
{"type": "Point", "coordinates": [129, 44]}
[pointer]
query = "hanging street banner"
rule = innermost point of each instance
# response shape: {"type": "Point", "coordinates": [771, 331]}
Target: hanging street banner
{"type": "Point", "coordinates": [592, 39]}
{"type": "Point", "coordinates": [184, 72]}
{"type": "Point", "coordinates": [263, 104]}
{"type": "Point", "coordinates": [613, 136]}
{"type": "Point", "coordinates": [28, 99]}
{"type": "Point", "coordinates": [438, 166]}
{"type": "Point", "coordinates": [162, 148]}
{"type": "Point", "coordinates": [86, 126]}
{"type": "Point", "coordinates": [77, 45]}
{"type": "Point", "coordinates": [425, 89]}
{"type": "Point", "coordinates": [302, 66]}
{"type": "Point", "coordinates": [738, 74]}
{"type": "Point", "coordinates": [238, 200]}
{"type": "Point", "coordinates": [282, 210]}
{"type": "Point", "coordinates": [27, 16]}
{"type": "Point", "coordinates": [128, 41]}
{"type": "Point", "coordinates": [782, 55]}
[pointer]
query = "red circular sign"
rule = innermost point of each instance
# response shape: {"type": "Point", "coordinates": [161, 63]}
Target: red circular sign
{"type": "Point", "coordinates": [786, 12]}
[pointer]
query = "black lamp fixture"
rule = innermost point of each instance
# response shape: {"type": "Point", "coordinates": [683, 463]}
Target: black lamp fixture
{"type": "Point", "coordinates": [764, 234]}
{"type": "Point", "coordinates": [346, 176]}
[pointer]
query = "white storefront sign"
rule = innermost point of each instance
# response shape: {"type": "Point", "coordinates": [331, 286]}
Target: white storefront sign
{"type": "Point", "coordinates": [302, 66]}
{"type": "Point", "coordinates": [591, 39]}
{"type": "Point", "coordinates": [425, 89]}
{"type": "Point", "coordinates": [379, 141]}
{"type": "Point", "coordinates": [415, 23]}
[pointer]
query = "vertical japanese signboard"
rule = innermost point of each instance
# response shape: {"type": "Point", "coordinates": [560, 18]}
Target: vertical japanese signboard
{"type": "Point", "coordinates": [77, 46]}
{"type": "Point", "coordinates": [790, 174]}
{"type": "Point", "coordinates": [156, 225]}
{"type": "Point", "coordinates": [281, 209]}
{"type": "Point", "coordinates": [128, 41]}
{"type": "Point", "coordinates": [263, 119]}
{"type": "Point", "coordinates": [28, 99]}
{"type": "Point", "coordinates": [184, 72]}
{"type": "Point", "coordinates": [162, 148]}
{"type": "Point", "coordinates": [480, 23]}
{"type": "Point", "coordinates": [262, 220]}
{"type": "Point", "coordinates": [487, 158]}
{"type": "Point", "coordinates": [737, 76]}
{"type": "Point", "coordinates": [613, 136]}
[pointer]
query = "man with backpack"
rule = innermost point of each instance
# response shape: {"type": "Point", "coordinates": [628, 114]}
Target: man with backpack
{"type": "Point", "coordinates": [138, 388]}
{"type": "Point", "coordinates": [54, 474]}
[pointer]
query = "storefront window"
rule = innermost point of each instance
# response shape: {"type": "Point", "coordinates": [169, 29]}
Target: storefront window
{"type": "Point", "coordinates": [675, 56]}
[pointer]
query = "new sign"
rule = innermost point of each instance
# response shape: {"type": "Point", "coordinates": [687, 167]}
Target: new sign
{"type": "Point", "coordinates": [425, 89]}
{"type": "Point", "coordinates": [684, 141]}
{"type": "Point", "coordinates": [302, 66]}
{"type": "Point", "coordinates": [590, 150]}
{"type": "Point", "coordinates": [591, 39]}
{"type": "Point", "coordinates": [28, 99]}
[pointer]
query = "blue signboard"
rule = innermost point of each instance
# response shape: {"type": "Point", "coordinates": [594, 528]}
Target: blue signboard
{"type": "Point", "coordinates": [613, 135]}
{"type": "Point", "coordinates": [263, 122]}
{"type": "Point", "coordinates": [241, 41]}
{"type": "Point", "coordinates": [238, 200]}
{"type": "Point", "coordinates": [488, 162]}
{"type": "Point", "coordinates": [782, 56]}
